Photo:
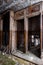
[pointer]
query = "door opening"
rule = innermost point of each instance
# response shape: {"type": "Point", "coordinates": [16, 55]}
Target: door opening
{"type": "Point", "coordinates": [5, 34]}
{"type": "Point", "coordinates": [34, 35]}
{"type": "Point", "coordinates": [20, 35]}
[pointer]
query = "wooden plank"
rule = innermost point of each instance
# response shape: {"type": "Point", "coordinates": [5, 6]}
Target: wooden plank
{"type": "Point", "coordinates": [19, 14]}
{"type": "Point", "coordinates": [42, 32]}
{"type": "Point", "coordinates": [30, 11]}
{"type": "Point", "coordinates": [33, 8]}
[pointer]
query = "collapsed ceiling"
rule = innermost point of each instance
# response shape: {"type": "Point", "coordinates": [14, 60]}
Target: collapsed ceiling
{"type": "Point", "coordinates": [14, 4]}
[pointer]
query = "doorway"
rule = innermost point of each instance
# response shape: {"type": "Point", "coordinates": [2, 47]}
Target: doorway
{"type": "Point", "coordinates": [5, 34]}
{"type": "Point", "coordinates": [20, 35]}
{"type": "Point", "coordinates": [34, 35]}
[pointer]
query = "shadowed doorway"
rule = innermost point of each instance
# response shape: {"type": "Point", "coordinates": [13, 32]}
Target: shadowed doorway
{"type": "Point", "coordinates": [34, 45]}
{"type": "Point", "coordinates": [20, 35]}
{"type": "Point", "coordinates": [5, 34]}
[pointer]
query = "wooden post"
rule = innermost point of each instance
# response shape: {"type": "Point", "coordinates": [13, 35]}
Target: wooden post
{"type": "Point", "coordinates": [41, 30]}
{"type": "Point", "coordinates": [1, 29]}
{"type": "Point", "coordinates": [26, 30]}
{"type": "Point", "coordinates": [13, 30]}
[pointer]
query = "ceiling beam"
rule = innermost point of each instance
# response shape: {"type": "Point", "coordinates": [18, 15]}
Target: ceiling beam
{"type": "Point", "coordinates": [16, 4]}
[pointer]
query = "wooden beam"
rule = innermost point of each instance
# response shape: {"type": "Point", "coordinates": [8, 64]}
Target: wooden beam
{"type": "Point", "coordinates": [26, 30]}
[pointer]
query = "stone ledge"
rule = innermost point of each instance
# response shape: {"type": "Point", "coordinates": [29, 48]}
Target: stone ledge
{"type": "Point", "coordinates": [28, 57]}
